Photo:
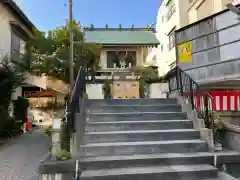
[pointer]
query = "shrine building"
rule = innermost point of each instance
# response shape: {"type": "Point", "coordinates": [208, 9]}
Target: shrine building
{"type": "Point", "coordinates": [121, 50]}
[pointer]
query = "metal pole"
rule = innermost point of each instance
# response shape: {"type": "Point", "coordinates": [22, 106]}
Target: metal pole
{"type": "Point", "coordinates": [71, 67]}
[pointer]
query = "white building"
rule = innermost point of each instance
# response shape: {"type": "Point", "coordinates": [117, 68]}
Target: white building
{"type": "Point", "coordinates": [174, 14]}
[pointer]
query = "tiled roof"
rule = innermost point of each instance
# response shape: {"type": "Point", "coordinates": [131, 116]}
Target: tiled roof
{"type": "Point", "coordinates": [121, 37]}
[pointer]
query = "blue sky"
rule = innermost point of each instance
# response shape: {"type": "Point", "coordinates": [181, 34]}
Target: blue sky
{"type": "Point", "coordinates": [47, 14]}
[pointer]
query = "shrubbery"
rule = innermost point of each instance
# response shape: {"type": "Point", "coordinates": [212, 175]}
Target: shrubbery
{"type": "Point", "coordinates": [10, 78]}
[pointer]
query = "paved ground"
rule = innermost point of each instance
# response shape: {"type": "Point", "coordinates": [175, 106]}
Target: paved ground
{"type": "Point", "coordinates": [20, 157]}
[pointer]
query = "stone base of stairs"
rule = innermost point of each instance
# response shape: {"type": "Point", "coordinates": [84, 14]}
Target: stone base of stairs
{"type": "Point", "coordinates": [64, 169]}
{"type": "Point", "coordinates": [173, 172]}
{"type": "Point", "coordinates": [206, 134]}
{"type": "Point", "coordinates": [144, 139]}
{"type": "Point", "coordinates": [223, 176]}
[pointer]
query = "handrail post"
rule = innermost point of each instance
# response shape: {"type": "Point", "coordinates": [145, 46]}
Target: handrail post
{"type": "Point", "coordinates": [180, 83]}
{"type": "Point", "coordinates": [206, 111]}
{"type": "Point", "coordinates": [191, 93]}
{"type": "Point", "coordinates": [177, 77]}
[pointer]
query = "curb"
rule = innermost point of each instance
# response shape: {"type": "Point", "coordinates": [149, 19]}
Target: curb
{"type": "Point", "coordinates": [46, 157]}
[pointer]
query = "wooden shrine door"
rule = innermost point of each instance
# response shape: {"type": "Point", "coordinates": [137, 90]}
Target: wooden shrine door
{"type": "Point", "coordinates": [125, 89]}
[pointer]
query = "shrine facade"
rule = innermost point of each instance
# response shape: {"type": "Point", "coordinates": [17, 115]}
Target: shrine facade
{"type": "Point", "coordinates": [121, 50]}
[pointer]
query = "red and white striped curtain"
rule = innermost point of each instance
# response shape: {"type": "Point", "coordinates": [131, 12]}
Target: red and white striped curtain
{"type": "Point", "coordinates": [222, 101]}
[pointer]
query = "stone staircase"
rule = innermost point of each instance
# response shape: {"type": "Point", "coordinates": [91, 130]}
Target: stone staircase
{"type": "Point", "coordinates": [144, 139]}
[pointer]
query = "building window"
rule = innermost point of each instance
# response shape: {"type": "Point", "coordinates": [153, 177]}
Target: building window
{"type": "Point", "coordinates": [172, 65]}
{"type": "Point", "coordinates": [17, 47]}
{"type": "Point", "coordinates": [162, 18]}
{"type": "Point", "coordinates": [171, 39]}
{"type": "Point", "coordinates": [161, 47]}
{"type": "Point", "coordinates": [171, 10]}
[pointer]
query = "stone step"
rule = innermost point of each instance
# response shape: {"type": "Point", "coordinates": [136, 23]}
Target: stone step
{"type": "Point", "coordinates": [138, 125]}
{"type": "Point", "coordinates": [141, 135]}
{"type": "Point", "coordinates": [144, 101]}
{"type": "Point", "coordinates": [104, 162]}
{"type": "Point", "coordinates": [223, 176]}
{"type": "Point", "coordinates": [136, 108]}
{"type": "Point", "coordinates": [147, 147]}
{"type": "Point", "coordinates": [175, 172]}
{"type": "Point", "coordinates": [137, 116]}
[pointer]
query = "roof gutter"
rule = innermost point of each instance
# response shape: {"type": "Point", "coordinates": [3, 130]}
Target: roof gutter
{"type": "Point", "coordinates": [19, 13]}
{"type": "Point", "coordinates": [127, 45]}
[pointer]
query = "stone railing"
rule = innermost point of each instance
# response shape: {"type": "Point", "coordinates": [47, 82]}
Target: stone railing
{"type": "Point", "coordinates": [57, 170]}
{"type": "Point", "coordinates": [50, 169]}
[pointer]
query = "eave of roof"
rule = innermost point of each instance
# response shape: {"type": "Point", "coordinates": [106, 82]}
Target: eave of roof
{"type": "Point", "coordinates": [19, 13]}
{"type": "Point", "coordinates": [121, 37]}
{"type": "Point", "coordinates": [129, 45]}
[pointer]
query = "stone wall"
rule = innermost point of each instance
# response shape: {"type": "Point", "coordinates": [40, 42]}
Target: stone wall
{"type": "Point", "coordinates": [95, 91]}
{"type": "Point", "coordinates": [158, 90]}
{"type": "Point", "coordinates": [231, 137]}
{"type": "Point", "coordinates": [231, 117]}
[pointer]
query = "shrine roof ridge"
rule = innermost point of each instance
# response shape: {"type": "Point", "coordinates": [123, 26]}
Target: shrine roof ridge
{"type": "Point", "coordinates": [118, 29]}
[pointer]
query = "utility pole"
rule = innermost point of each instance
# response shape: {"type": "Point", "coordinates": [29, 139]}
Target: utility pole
{"type": "Point", "coordinates": [71, 67]}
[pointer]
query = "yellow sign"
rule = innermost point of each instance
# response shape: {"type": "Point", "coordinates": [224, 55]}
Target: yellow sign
{"type": "Point", "coordinates": [185, 52]}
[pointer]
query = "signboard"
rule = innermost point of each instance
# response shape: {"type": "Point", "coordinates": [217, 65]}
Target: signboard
{"type": "Point", "coordinates": [185, 52]}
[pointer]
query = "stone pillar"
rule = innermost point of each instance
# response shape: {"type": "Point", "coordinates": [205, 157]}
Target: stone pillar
{"type": "Point", "coordinates": [207, 135]}
{"type": "Point", "coordinates": [56, 136]}
{"type": "Point", "coordinates": [130, 65]}
{"type": "Point", "coordinates": [51, 177]}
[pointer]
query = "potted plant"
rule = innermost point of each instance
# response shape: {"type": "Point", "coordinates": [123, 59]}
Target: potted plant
{"type": "Point", "coordinates": [63, 155]}
{"type": "Point", "coordinates": [107, 89]}
{"type": "Point", "coordinates": [143, 88]}
{"type": "Point", "coordinates": [218, 128]}
{"type": "Point", "coordinates": [48, 131]}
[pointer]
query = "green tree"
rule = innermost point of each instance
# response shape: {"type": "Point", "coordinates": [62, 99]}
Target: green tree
{"type": "Point", "coordinates": [145, 72]}
{"type": "Point", "coordinates": [48, 53]}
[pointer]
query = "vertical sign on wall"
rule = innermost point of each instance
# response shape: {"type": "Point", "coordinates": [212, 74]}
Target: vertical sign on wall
{"type": "Point", "coordinates": [185, 52]}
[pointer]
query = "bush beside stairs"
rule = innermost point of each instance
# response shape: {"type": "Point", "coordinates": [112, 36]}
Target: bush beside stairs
{"type": "Point", "coordinates": [144, 139]}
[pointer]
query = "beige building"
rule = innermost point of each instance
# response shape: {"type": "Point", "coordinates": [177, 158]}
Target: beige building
{"type": "Point", "coordinates": [15, 30]}
{"type": "Point", "coordinates": [174, 14]}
